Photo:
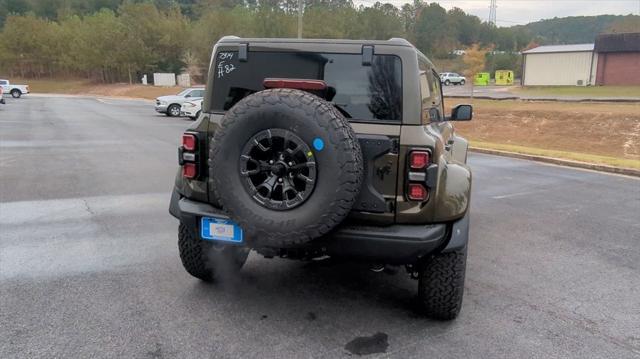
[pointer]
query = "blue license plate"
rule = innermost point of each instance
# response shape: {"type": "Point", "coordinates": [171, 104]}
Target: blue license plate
{"type": "Point", "coordinates": [219, 229]}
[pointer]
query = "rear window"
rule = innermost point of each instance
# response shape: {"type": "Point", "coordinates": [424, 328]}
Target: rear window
{"type": "Point", "coordinates": [366, 93]}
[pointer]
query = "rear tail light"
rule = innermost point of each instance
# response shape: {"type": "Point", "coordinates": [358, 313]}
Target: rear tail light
{"type": "Point", "coordinates": [188, 156]}
{"type": "Point", "coordinates": [189, 142]}
{"type": "Point", "coordinates": [189, 170]}
{"type": "Point", "coordinates": [416, 175]}
{"type": "Point", "coordinates": [418, 160]}
{"type": "Point", "coordinates": [417, 192]}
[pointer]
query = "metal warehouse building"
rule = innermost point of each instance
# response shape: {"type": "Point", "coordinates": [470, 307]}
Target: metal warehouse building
{"type": "Point", "coordinates": [618, 59]}
{"type": "Point", "coordinates": [558, 65]}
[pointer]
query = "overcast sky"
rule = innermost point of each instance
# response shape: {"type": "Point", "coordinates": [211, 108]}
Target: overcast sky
{"type": "Point", "coordinates": [514, 12]}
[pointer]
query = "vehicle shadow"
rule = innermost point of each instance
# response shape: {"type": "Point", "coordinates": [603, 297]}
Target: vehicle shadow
{"type": "Point", "coordinates": [326, 309]}
{"type": "Point", "coordinates": [332, 284]}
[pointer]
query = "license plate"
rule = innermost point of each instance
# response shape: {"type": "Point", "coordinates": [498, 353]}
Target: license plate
{"type": "Point", "coordinates": [219, 229]}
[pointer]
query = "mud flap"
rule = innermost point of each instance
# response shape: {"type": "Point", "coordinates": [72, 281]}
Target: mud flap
{"type": "Point", "coordinates": [459, 234]}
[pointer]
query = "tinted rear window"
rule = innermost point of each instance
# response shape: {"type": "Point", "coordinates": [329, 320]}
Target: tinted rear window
{"type": "Point", "coordinates": [365, 93]}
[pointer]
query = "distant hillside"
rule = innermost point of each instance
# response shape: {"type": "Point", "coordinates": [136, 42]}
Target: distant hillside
{"type": "Point", "coordinates": [577, 29]}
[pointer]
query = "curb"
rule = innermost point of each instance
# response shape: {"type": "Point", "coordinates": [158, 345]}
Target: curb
{"type": "Point", "coordinates": [562, 162]}
{"type": "Point", "coordinates": [548, 99]}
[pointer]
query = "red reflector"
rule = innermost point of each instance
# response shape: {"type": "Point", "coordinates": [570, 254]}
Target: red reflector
{"type": "Point", "coordinates": [189, 170]}
{"type": "Point", "coordinates": [418, 159]}
{"type": "Point", "coordinates": [316, 85]}
{"type": "Point", "coordinates": [417, 192]}
{"type": "Point", "coordinates": [189, 142]}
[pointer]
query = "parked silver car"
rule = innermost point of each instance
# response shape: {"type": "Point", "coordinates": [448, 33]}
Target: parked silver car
{"type": "Point", "coordinates": [449, 78]}
{"type": "Point", "coordinates": [170, 105]}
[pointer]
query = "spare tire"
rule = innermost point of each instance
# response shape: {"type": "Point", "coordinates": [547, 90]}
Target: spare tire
{"type": "Point", "coordinates": [286, 166]}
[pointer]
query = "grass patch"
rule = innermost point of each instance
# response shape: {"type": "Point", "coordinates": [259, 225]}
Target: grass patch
{"type": "Point", "coordinates": [54, 86]}
{"type": "Point", "coordinates": [607, 133]}
{"type": "Point", "coordinates": [574, 156]}
{"type": "Point", "coordinates": [87, 87]}
{"type": "Point", "coordinates": [579, 91]}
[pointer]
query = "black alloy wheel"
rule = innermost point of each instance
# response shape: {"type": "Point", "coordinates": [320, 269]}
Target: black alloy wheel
{"type": "Point", "coordinates": [279, 169]}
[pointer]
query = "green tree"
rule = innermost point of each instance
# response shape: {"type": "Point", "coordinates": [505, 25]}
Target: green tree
{"type": "Point", "coordinates": [628, 23]}
{"type": "Point", "coordinates": [474, 60]}
{"type": "Point", "coordinates": [432, 31]}
{"type": "Point", "coordinates": [379, 22]}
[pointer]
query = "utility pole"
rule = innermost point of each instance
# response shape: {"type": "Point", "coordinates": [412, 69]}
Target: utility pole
{"type": "Point", "coordinates": [492, 12]}
{"type": "Point", "coordinates": [299, 19]}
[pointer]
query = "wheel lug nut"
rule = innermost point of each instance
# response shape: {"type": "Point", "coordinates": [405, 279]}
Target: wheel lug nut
{"type": "Point", "coordinates": [279, 179]}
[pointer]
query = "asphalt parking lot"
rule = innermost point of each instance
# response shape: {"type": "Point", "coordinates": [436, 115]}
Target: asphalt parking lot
{"type": "Point", "coordinates": [89, 264]}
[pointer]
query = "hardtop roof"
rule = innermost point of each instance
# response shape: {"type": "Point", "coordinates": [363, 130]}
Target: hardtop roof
{"type": "Point", "coordinates": [392, 42]}
{"type": "Point", "coordinates": [291, 43]}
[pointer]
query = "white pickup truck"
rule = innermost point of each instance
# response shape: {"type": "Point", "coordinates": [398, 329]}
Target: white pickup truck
{"type": "Point", "coordinates": [15, 90]}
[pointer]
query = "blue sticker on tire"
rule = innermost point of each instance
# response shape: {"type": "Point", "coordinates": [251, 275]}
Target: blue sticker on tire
{"type": "Point", "coordinates": [318, 144]}
{"type": "Point", "coordinates": [220, 229]}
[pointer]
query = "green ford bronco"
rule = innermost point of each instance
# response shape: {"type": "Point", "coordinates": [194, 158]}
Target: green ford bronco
{"type": "Point", "coordinates": [314, 148]}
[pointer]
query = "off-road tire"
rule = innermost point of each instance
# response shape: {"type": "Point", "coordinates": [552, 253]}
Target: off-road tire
{"type": "Point", "coordinates": [170, 113]}
{"type": "Point", "coordinates": [206, 261]}
{"type": "Point", "coordinates": [339, 166]}
{"type": "Point", "coordinates": [462, 82]}
{"type": "Point", "coordinates": [441, 284]}
{"type": "Point", "coordinates": [16, 93]}
{"type": "Point", "coordinates": [447, 82]}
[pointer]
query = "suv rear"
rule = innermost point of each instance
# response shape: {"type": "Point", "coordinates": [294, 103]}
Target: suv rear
{"type": "Point", "coordinates": [312, 148]}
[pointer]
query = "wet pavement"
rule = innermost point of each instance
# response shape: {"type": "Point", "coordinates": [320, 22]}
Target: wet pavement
{"type": "Point", "coordinates": [89, 264]}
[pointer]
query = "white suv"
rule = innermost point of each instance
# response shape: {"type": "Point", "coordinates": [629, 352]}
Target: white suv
{"type": "Point", "coordinates": [170, 105]}
{"type": "Point", "coordinates": [449, 78]}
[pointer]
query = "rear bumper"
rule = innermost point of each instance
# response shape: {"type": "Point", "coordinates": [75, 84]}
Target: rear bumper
{"type": "Point", "coordinates": [394, 244]}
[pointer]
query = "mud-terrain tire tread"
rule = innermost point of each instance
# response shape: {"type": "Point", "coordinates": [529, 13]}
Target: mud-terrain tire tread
{"type": "Point", "coordinates": [352, 168]}
{"type": "Point", "coordinates": [193, 255]}
{"type": "Point", "coordinates": [441, 284]}
{"type": "Point", "coordinates": [199, 259]}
